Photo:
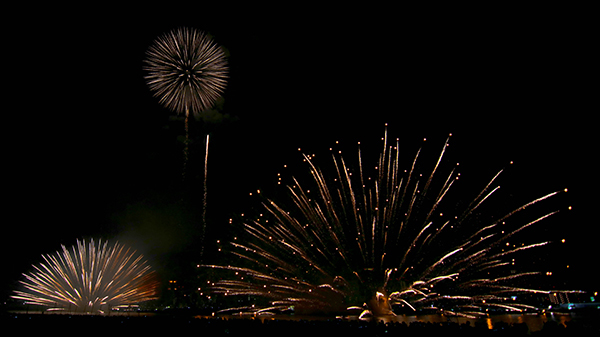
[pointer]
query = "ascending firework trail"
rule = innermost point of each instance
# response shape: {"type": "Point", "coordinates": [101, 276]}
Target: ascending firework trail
{"type": "Point", "coordinates": [188, 72]}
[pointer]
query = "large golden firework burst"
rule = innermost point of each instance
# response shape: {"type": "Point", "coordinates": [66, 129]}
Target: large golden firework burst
{"type": "Point", "coordinates": [89, 278]}
{"type": "Point", "coordinates": [371, 239]}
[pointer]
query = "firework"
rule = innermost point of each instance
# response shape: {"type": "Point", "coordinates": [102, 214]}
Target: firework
{"type": "Point", "coordinates": [187, 71]}
{"type": "Point", "coordinates": [89, 278]}
{"type": "Point", "coordinates": [204, 200]}
{"type": "Point", "coordinates": [358, 241]}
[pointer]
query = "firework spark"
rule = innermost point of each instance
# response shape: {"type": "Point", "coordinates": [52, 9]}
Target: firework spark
{"type": "Point", "coordinates": [371, 242]}
{"type": "Point", "coordinates": [89, 279]}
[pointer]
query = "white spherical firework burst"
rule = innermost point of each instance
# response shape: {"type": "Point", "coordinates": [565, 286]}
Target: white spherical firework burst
{"type": "Point", "coordinates": [89, 279]}
{"type": "Point", "coordinates": [186, 70]}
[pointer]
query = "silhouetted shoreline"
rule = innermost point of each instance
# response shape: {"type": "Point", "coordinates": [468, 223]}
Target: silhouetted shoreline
{"type": "Point", "coordinates": [140, 324]}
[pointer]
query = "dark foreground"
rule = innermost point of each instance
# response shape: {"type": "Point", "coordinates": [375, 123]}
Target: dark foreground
{"type": "Point", "coordinates": [177, 326]}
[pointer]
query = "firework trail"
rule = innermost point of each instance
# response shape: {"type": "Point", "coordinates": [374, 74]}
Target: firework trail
{"type": "Point", "coordinates": [89, 279]}
{"type": "Point", "coordinates": [204, 200]}
{"type": "Point", "coordinates": [354, 240]}
{"type": "Point", "coordinates": [187, 71]}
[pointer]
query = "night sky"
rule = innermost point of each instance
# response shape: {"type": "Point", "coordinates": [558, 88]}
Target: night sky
{"type": "Point", "coordinates": [90, 153]}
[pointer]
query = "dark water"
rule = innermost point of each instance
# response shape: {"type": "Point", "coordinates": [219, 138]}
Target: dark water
{"type": "Point", "coordinates": [535, 322]}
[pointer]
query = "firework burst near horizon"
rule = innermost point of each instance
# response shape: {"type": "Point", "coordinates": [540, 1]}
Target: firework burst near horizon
{"type": "Point", "coordinates": [89, 278]}
{"type": "Point", "coordinates": [372, 238]}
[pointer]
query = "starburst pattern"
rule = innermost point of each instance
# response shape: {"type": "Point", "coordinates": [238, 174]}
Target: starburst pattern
{"type": "Point", "coordinates": [358, 241]}
{"type": "Point", "coordinates": [89, 279]}
{"type": "Point", "coordinates": [187, 71]}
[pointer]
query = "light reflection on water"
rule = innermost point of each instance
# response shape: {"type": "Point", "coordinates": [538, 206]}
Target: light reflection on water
{"type": "Point", "coordinates": [535, 322]}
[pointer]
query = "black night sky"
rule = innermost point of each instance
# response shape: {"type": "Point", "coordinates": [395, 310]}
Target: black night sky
{"type": "Point", "coordinates": [89, 152]}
